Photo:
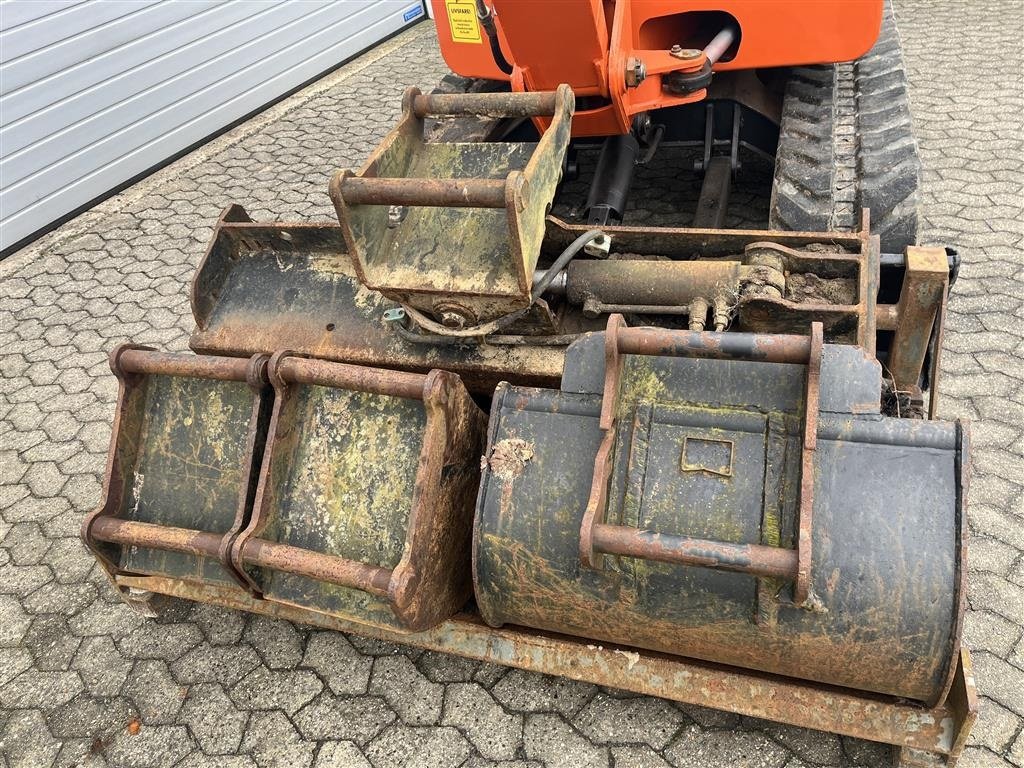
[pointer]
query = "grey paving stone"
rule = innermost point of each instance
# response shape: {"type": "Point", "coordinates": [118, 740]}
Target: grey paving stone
{"type": "Point", "coordinates": [551, 741]}
{"type": "Point", "coordinates": [357, 719]}
{"type": "Point", "coordinates": [342, 667]}
{"type": "Point", "coordinates": [26, 742]}
{"type": "Point", "coordinates": [637, 757]}
{"type": "Point", "coordinates": [404, 746]}
{"type": "Point", "coordinates": [286, 690]}
{"type": "Point", "coordinates": [26, 543]}
{"type": "Point", "coordinates": [1017, 750]}
{"type": "Point", "coordinates": [221, 626]}
{"type": "Point", "coordinates": [978, 757]}
{"type": "Point", "coordinates": [996, 727]}
{"type": "Point", "coordinates": [13, 661]}
{"type": "Point", "coordinates": [278, 643]}
{"type": "Point", "coordinates": [159, 746]}
{"type": "Point", "coordinates": [813, 747]}
{"type": "Point", "coordinates": [340, 754]}
{"type": "Point", "coordinates": [14, 621]}
{"type": "Point", "coordinates": [529, 692]}
{"type": "Point", "coordinates": [273, 741]}
{"type": "Point", "coordinates": [101, 666]}
{"type": "Point", "coordinates": [709, 718]}
{"type": "Point", "coordinates": [696, 748]}
{"type": "Point", "coordinates": [158, 698]}
{"type": "Point", "coordinates": [22, 581]}
{"type": "Point", "coordinates": [69, 560]}
{"type": "Point", "coordinates": [413, 697]}
{"type": "Point", "coordinates": [866, 753]}
{"type": "Point", "coordinates": [114, 620]}
{"type": "Point", "coordinates": [36, 688]}
{"type": "Point", "coordinates": [199, 760]}
{"type": "Point", "coordinates": [213, 719]}
{"type": "Point", "coordinates": [495, 733]}
{"type": "Point", "coordinates": [984, 631]}
{"type": "Point", "coordinates": [218, 664]}
{"type": "Point", "coordinates": [1001, 681]}
{"type": "Point", "coordinates": [89, 717]}
{"type": "Point", "coordinates": [479, 762]}
{"type": "Point", "coordinates": [150, 640]}
{"type": "Point", "coordinates": [51, 643]}
{"type": "Point", "coordinates": [63, 599]}
{"type": "Point", "coordinates": [446, 668]}
{"type": "Point", "coordinates": [607, 720]}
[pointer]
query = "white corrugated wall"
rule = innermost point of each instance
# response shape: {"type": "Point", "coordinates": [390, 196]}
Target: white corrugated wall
{"type": "Point", "coordinates": [95, 92]}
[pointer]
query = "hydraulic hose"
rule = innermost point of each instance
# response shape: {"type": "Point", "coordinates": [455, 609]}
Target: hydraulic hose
{"type": "Point", "coordinates": [563, 261]}
{"type": "Point", "coordinates": [485, 329]}
{"type": "Point", "coordinates": [486, 16]}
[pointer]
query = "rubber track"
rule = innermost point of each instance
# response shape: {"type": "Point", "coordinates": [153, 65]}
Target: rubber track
{"type": "Point", "coordinates": [846, 143]}
{"type": "Point", "coordinates": [464, 128]}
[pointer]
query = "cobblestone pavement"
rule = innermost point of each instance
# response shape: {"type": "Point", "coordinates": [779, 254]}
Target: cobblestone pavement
{"type": "Point", "coordinates": [216, 688]}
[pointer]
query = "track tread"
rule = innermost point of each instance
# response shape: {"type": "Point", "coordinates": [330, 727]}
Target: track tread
{"type": "Point", "coordinates": [464, 128]}
{"type": "Point", "coordinates": [846, 142]}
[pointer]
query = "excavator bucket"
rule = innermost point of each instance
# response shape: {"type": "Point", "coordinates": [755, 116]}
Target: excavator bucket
{"type": "Point", "coordinates": [706, 473]}
{"type": "Point", "coordinates": [345, 489]}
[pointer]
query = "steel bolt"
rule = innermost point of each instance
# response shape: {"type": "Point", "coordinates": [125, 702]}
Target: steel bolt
{"type": "Point", "coordinates": [451, 319]}
{"type": "Point", "coordinates": [679, 52]}
{"type": "Point", "coordinates": [636, 72]}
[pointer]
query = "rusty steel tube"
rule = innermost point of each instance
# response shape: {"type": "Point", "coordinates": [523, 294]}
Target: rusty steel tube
{"type": "Point", "coordinates": [316, 565]}
{"type": "Point", "coordinates": [761, 347]}
{"type": "Point", "coordinates": [753, 559]}
{"type": "Point", "coordinates": [438, 193]}
{"type": "Point", "coordinates": [657, 283]}
{"type": "Point", "coordinates": [172, 364]}
{"type": "Point", "coordinates": [128, 532]}
{"type": "Point", "coordinates": [539, 104]}
{"type": "Point", "coordinates": [267, 554]}
{"type": "Point", "coordinates": [302, 370]}
{"type": "Point", "coordinates": [887, 317]}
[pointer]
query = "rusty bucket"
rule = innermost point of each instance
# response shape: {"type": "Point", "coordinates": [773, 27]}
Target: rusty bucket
{"type": "Point", "coordinates": [735, 498]}
{"type": "Point", "coordinates": [345, 489]}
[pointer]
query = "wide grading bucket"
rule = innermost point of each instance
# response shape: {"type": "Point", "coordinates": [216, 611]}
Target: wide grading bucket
{"type": "Point", "coordinates": [729, 497]}
{"type": "Point", "coordinates": [344, 489]}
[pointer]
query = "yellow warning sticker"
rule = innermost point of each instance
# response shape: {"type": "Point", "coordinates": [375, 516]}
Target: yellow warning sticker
{"type": "Point", "coordinates": [462, 20]}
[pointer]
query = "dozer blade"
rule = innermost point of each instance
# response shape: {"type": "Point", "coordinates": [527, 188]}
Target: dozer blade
{"type": "Point", "coordinates": [343, 489]}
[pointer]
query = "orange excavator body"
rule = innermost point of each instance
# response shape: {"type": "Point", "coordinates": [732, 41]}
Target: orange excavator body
{"type": "Point", "coordinates": [599, 46]}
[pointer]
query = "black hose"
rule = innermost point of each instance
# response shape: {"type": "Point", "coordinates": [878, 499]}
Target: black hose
{"type": "Point", "coordinates": [563, 261]}
{"type": "Point", "coordinates": [493, 326]}
{"type": "Point", "coordinates": [486, 16]}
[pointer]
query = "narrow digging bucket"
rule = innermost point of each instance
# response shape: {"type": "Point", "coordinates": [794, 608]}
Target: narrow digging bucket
{"type": "Point", "coordinates": [343, 489]}
{"type": "Point", "coordinates": [184, 458]}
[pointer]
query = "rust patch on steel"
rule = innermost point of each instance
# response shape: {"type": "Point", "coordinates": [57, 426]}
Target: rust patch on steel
{"type": "Point", "coordinates": [508, 458]}
{"type": "Point", "coordinates": [426, 486]}
{"type": "Point", "coordinates": [431, 494]}
{"type": "Point", "coordinates": [805, 509]}
{"type": "Point", "coordinates": [402, 219]}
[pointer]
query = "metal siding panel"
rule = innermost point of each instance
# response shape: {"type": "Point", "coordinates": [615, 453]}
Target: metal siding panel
{"type": "Point", "coordinates": [14, 13]}
{"type": "Point", "coordinates": [130, 67]}
{"type": "Point", "coordinates": [56, 174]}
{"type": "Point", "coordinates": [122, 22]}
{"type": "Point", "coordinates": [78, 123]}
